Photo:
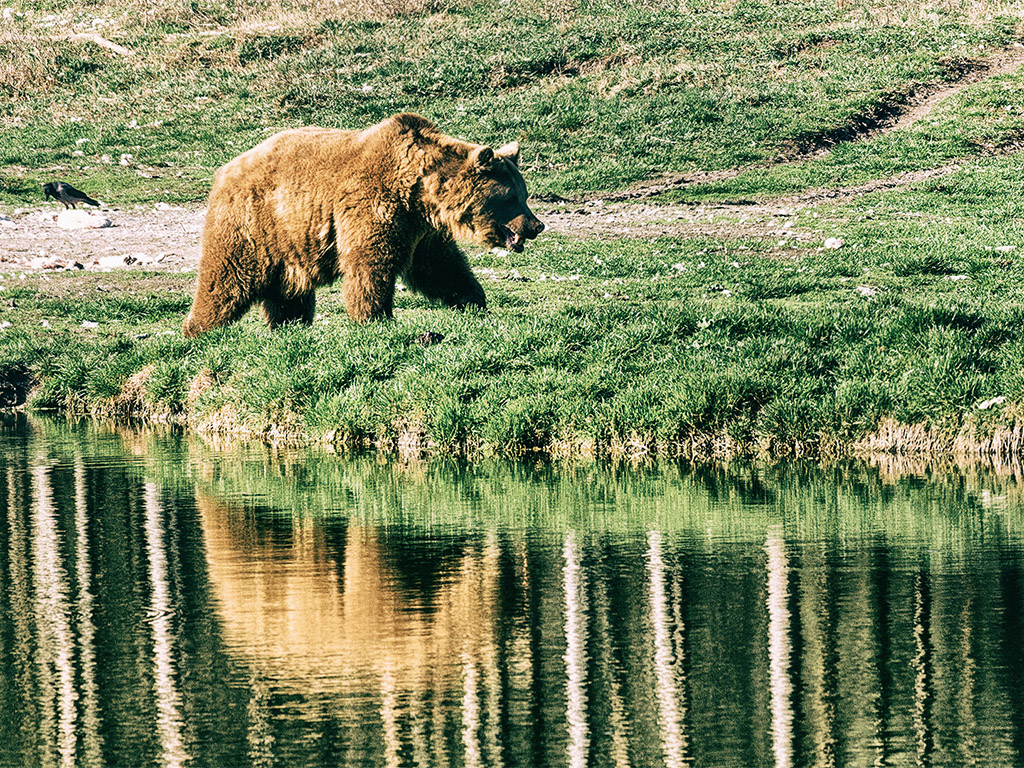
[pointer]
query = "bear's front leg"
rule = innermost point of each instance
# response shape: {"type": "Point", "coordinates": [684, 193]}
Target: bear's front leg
{"type": "Point", "coordinates": [369, 289]}
{"type": "Point", "coordinates": [440, 271]}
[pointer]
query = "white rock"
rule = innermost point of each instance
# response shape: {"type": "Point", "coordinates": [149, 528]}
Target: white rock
{"type": "Point", "coordinates": [833, 243]}
{"type": "Point", "coordinates": [5, 324]}
{"type": "Point", "coordinates": [866, 290]}
{"type": "Point", "coordinates": [76, 219]}
{"type": "Point", "coordinates": [80, 142]}
{"type": "Point", "coordinates": [109, 262]}
{"type": "Point", "coordinates": [78, 153]}
{"type": "Point", "coordinates": [6, 221]}
{"type": "Point", "coordinates": [1005, 248]}
{"type": "Point", "coordinates": [984, 405]}
{"type": "Point", "coordinates": [126, 159]}
{"type": "Point", "coordinates": [90, 324]}
{"type": "Point", "coordinates": [106, 159]}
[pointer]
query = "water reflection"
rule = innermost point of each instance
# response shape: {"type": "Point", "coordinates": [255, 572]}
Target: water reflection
{"type": "Point", "coordinates": [779, 649]}
{"type": "Point", "coordinates": [165, 686]}
{"type": "Point", "coordinates": [575, 652]}
{"type": "Point", "coordinates": [667, 669]}
{"type": "Point", "coordinates": [165, 604]}
{"type": "Point", "coordinates": [90, 713]}
{"type": "Point", "coordinates": [53, 627]}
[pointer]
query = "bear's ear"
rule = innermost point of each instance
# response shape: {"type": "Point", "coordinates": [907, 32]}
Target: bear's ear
{"type": "Point", "coordinates": [482, 158]}
{"type": "Point", "coordinates": [510, 152]}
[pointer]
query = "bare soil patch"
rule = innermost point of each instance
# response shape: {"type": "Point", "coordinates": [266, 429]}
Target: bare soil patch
{"type": "Point", "coordinates": [607, 218]}
{"type": "Point", "coordinates": [152, 238]}
{"type": "Point", "coordinates": [168, 239]}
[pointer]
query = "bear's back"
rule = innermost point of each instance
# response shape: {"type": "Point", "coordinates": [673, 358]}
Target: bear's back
{"type": "Point", "coordinates": [295, 152]}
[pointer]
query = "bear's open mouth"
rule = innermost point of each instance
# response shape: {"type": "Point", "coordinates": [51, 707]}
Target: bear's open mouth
{"type": "Point", "coordinates": [513, 240]}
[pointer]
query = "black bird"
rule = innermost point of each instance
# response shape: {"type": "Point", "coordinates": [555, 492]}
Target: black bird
{"type": "Point", "coordinates": [61, 190]}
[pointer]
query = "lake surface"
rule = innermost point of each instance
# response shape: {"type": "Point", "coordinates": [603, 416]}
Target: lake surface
{"type": "Point", "coordinates": [165, 603]}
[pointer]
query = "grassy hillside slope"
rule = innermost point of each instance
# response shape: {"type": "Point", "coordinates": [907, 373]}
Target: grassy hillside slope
{"type": "Point", "coordinates": [601, 93]}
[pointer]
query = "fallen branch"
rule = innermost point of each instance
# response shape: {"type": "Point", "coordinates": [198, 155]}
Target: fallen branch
{"type": "Point", "coordinates": [102, 42]}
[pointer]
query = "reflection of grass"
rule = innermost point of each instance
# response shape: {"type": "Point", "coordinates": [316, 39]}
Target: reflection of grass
{"type": "Point", "coordinates": [602, 93]}
{"type": "Point", "coordinates": [717, 504]}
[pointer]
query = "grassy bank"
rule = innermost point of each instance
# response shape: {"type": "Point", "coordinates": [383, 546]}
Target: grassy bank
{"type": "Point", "coordinates": [677, 345]}
{"type": "Point", "coordinates": [731, 339]}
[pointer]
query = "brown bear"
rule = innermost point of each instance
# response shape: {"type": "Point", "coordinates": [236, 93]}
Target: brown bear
{"type": "Point", "coordinates": [311, 205]}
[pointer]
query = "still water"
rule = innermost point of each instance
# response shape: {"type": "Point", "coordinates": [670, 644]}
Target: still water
{"type": "Point", "coordinates": [166, 603]}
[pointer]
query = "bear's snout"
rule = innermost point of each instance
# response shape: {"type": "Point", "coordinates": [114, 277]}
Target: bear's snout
{"type": "Point", "coordinates": [520, 229]}
{"type": "Point", "coordinates": [528, 225]}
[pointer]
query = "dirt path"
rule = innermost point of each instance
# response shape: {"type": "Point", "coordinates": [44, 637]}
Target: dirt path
{"type": "Point", "coordinates": [166, 237]}
{"type": "Point", "coordinates": [604, 218]}
{"type": "Point", "coordinates": [152, 237]}
{"type": "Point", "coordinates": [915, 106]}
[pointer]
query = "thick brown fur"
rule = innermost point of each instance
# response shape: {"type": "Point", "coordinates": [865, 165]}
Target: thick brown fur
{"type": "Point", "coordinates": [312, 205]}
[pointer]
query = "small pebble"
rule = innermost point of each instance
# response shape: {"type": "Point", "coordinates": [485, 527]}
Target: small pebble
{"type": "Point", "coordinates": [428, 338]}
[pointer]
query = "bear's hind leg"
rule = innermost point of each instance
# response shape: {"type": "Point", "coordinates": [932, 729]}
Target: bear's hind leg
{"type": "Point", "coordinates": [279, 309]}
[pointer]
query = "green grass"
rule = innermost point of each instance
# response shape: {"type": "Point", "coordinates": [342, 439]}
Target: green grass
{"type": "Point", "coordinates": [983, 119]}
{"type": "Point", "coordinates": [666, 344]}
{"type": "Point", "coordinates": [601, 94]}
{"type": "Point", "coordinates": [674, 344]}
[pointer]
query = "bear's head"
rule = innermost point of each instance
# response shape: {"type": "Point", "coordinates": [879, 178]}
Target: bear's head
{"type": "Point", "coordinates": [484, 199]}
